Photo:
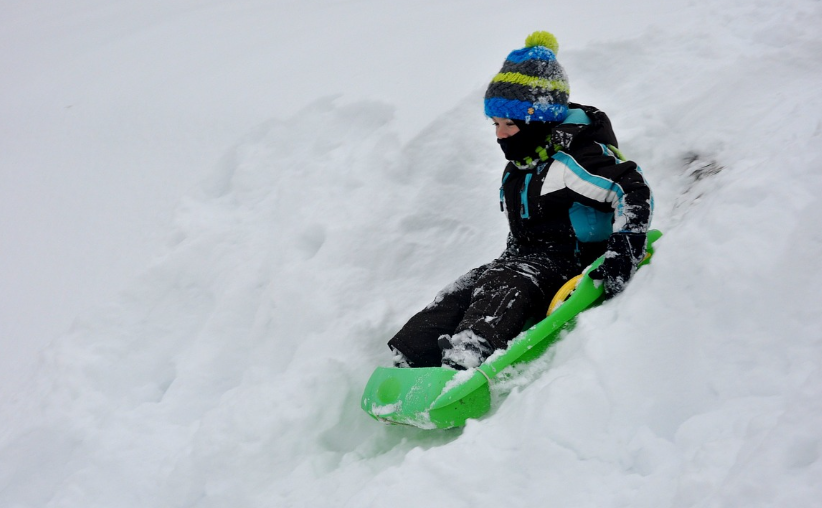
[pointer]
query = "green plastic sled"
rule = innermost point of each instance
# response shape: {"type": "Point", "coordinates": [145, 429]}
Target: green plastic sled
{"type": "Point", "coordinates": [441, 398]}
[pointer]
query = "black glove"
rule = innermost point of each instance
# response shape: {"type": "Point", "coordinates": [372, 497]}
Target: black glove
{"type": "Point", "coordinates": [625, 252]}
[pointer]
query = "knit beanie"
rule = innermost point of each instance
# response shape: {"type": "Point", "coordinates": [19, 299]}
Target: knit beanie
{"type": "Point", "coordinates": [532, 85]}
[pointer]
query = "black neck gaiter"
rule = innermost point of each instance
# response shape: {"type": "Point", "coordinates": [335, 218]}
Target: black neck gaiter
{"type": "Point", "coordinates": [525, 142]}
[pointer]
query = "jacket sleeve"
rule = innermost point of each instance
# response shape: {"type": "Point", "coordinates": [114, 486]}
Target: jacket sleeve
{"type": "Point", "coordinates": [600, 175]}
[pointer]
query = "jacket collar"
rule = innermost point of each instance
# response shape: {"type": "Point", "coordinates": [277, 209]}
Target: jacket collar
{"type": "Point", "coordinates": [562, 136]}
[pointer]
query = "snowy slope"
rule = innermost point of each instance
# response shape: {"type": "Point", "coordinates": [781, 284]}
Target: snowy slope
{"type": "Point", "coordinates": [228, 373]}
{"type": "Point", "coordinates": [111, 111]}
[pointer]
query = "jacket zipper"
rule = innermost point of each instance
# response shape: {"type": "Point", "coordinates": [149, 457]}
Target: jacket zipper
{"type": "Point", "coordinates": [524, 212]}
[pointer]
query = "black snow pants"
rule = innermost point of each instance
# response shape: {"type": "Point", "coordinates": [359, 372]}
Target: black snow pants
{"type": "Point", "coordinates": [494, 301]}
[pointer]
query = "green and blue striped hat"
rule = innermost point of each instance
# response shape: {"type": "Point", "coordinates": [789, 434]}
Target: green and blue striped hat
{"type": "Point", "coordinates": [532, 85]}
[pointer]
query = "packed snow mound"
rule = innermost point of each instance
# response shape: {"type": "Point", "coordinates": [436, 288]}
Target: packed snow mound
{"type": "Point", "coordinates": [285, 276]}
{"type": "Point", "coordinates": [229, 374]}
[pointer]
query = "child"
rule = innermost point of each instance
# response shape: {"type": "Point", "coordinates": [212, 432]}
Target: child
{"type": "Point", "coordinates": [569, 197]}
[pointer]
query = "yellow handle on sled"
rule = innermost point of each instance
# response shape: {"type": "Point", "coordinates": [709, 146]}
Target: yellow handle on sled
{"type": "Point", "coordinates": [569, 287]}
{"type": "Point", "coordinates": [563, 293]}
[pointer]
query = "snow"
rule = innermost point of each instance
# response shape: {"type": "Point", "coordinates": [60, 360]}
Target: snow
{"type": "Point", "coordinates": [215, 214]}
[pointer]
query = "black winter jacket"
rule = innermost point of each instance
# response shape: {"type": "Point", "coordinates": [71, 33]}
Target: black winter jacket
{"type": "Point", "coordinates": [578, 193]}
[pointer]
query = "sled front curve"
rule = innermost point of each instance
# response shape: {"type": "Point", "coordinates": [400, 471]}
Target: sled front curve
{"type": "Point", "coordinates": [407, 396]}
{"type": "Point", "coordinates": [438, 397]}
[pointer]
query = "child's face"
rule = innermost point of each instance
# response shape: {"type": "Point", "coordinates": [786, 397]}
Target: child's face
{"type": "Point", "coordinates": [505, 127]}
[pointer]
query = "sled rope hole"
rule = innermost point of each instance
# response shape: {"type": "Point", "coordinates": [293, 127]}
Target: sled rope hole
{"type": "Point", "coordinates": [487, 378]}
{"type": "Point", "coordinates": [563, 293]}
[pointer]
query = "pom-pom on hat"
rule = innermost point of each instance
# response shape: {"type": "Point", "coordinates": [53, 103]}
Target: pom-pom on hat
{"type": "Point", "coordinates": [532, 85]}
